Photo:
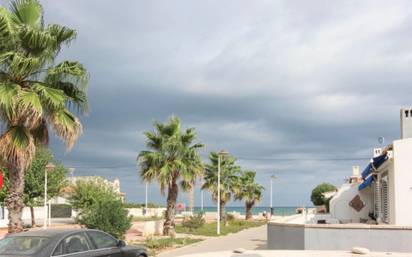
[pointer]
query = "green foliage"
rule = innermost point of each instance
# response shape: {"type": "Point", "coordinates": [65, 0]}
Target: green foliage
{"type": "Point", "coordinates": [141, 205]}
{"type": "Point", "coordinates": [172, 156]}
{"type": "Point", "coordinates": [156, 244]}
{"type": "Point", "coordinates": [229, 177]}
{"type": "Point", "coordinates": [172, 159]}
{"type": "Point", "coordinates": [35, 91]}
{"type": "Point", "coordinates": [249, 190]}
{"type": "Point", "coordinates": [194, 222]}
{"type": "Point", "coordinates": [107, 215]}
{"type": "Point", "coordinates": [61, 211]}
{"type": "Point", "coordinates": [229, 217]}
{"type": "Point", "coordinates": [34, 179]}
{"type": "Point", "coordinates": [87, 192]}
{"type": "Point", "coordinates": [317, 197]}
{"type": "Point", "coordinates": [209, 229]}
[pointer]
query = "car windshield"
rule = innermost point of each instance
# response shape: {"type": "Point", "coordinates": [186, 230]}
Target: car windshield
{"type": "Point", "coordinates": [22, 245]}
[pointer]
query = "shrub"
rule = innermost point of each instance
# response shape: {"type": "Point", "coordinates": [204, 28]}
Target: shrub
{"type": "Point", "coordinates": [107, 215]}
{"type": "Point", "coordinates": [89, 191]}
{"type": "Point", "coordinates": [317, 197]}
{"type": "Point", "coordinates": [194, 222]}
{"type": "Point", "coordinates": [61, 211]}
{"type": "Point", "coordinates": [229, 217]}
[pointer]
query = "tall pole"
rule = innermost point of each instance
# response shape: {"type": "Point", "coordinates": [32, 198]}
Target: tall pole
{"type": "Point", "coordinates": [201, 200]}
{"type": "Point", "coordinates": [45, 200]}
{"type": "Point", "coordinates": [146, 197]}
{"type": "Point", "coordinates": [218, 195]}
{"type": "Point", "coordinates": [271, 194]}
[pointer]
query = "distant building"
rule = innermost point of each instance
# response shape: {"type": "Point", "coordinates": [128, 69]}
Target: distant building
{"type": "Point", "coordinates": [65, 193]}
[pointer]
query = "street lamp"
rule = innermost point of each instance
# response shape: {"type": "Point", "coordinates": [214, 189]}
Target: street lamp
{"type": "Point", "coordinates": [220, 155]}
{"type": "Point", "coordinates": [271, 194]}
{"type": "Point", "coordinates": [146, 196]}
{"type": "Point", "coordinates": [49, 167]}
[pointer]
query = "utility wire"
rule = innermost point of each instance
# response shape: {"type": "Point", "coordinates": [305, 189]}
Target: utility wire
{"type": "Point", "coordinates": [239, 158]}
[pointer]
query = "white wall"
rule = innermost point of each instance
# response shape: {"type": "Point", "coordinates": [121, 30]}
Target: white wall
{"type": "Point", "coordinates": [339, 205]}
{"type": "Point", "coordinates": [26, 217]}
{"type": "Point", "coordinates": [402, 156]}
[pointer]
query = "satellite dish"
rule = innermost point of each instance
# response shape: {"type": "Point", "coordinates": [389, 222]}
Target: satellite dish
{"type": "Point", "coordinates": [381, 140]}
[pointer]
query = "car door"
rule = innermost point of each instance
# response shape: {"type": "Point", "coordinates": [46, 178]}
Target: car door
{"type": "Point", "coordinates": [105, 244]}
{"type": "Point", "coordinates": [75, 245]}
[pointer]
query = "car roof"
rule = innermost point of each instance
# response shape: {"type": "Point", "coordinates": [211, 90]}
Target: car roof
{"type": "Point", "coordinates": [49, 232]}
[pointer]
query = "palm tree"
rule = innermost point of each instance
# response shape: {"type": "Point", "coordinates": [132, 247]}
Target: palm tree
{"type": "Point", "coordinates": [35, 93]}
{"type": "Point", "coordinates": [172, 158]}
{"type": "Point", "coordinates": [250, 192]}
{"type": "Point", "coordinates": [229, 179]}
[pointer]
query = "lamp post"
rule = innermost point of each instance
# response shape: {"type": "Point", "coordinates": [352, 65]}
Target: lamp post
{"type": "Point", "coordinates": [220, 155]}
{"type": "Point", "coordinates": [145, 201]}
{"type": "Point", "coordinates": [271, 194]}
{"type": "Point", "coordinates": [49, 167]}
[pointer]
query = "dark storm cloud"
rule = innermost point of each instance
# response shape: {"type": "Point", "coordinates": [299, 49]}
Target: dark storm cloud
{"type": "Point", "coordinates": [277, 79]}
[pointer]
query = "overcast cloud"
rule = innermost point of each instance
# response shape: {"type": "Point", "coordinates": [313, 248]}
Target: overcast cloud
{"type": "Point", "coordinates": [307, 80]}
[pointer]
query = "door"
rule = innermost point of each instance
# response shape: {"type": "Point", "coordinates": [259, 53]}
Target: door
{"type": "Point", "coordinates": [105, 244]}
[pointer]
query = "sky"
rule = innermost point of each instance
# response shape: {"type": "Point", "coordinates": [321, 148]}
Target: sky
{"type": "Point", "coordinates": [300, 89]}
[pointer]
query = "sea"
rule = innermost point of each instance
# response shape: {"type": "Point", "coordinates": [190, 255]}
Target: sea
{"type": "Point", "coordinates": [278, 211]}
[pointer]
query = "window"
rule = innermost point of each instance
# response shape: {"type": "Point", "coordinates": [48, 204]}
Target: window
{"type": "Point", "coordinates": [22, 245]}
{"type": "Point", "coordinates": [73, 244]}
{"type": "Point", "coordinates": [385, 200]}
{"type": "Point", "coordinates": [102, 240]}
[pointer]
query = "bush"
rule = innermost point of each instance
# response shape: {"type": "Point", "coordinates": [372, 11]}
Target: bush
{"type": "Point", "coordinates": [229, 217]}
{"type": "Point", "coordinates": [89, 191]}
{"type": "Point", "coordinates": [317, 197]}
{"type": "Point", "coordinates": [194, 222]}
{"type": "Point", "coordinates": [107, 215]}
{"type": "Point", "coordinates": [141, 205]}
{"type": "Point", "coordinates": [61, 211]}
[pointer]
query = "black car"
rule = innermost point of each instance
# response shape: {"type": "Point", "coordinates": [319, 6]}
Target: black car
{"type": "Point", "coordinates": [66, 242]}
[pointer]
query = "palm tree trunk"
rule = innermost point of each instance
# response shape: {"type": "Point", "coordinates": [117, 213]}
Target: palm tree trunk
{"type": "Point", "coordinates": [191, 199]}
{"type": "Point", "coordinates": [169, 224]}
{"type": "Point", "coordinates": [33, 219]}
{"type": "Point", "coordinates": [14, 200]}
{"type": "Point", "coordinates": [249, 214]}
{"type": "Point", "coordinates": [222, 210]}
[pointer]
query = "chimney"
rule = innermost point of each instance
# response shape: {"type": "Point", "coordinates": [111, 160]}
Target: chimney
{"type": "Point", "coordinates": [406, 122]}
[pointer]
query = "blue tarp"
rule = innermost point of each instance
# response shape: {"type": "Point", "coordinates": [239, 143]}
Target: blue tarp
{"type": "Point", "coordinates": [367, 172]}
{"type": "Point", "coordinates": [366, 182]}
{"type": "Point", "coordinates": [374, 165]}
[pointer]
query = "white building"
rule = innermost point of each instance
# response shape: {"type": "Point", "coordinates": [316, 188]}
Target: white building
{"type": "Point", "coordinates": [382, 193]}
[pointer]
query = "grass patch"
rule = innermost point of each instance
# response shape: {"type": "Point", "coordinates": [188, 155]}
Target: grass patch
{"type": "Point", "coordinates": [154, 245]}
{"type": "Point", "coordinates": [210, 228]}
{"type": "Point", "coordinates": [153, 218]}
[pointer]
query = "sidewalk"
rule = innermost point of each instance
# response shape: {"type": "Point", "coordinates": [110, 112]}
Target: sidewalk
{"type": "Point", "coordinates": [250, 239]}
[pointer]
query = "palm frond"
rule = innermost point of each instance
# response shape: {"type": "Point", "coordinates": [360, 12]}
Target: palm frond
{"type": "Point", "coordinates": [51, 98]}
{"type": "Point", "coordinates": [68, 71]}
{"type": "Point", "coordinates": [8, 96]}
{"type": "Point", "coordinates": [62, 34]}
{"type": "Point", "coordinates": [27, 12]}
{"type": "Point", "coordinates": [17, 147]}
{"type": "Point", "coordinates": [66, 126]}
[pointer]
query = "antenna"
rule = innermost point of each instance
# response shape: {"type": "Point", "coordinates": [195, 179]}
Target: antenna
{"type": "Point", "coordinates": [381, 141]}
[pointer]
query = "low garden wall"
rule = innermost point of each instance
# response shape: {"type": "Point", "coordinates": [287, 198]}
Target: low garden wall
{"type": "Point", "coordinates": [386, 238]}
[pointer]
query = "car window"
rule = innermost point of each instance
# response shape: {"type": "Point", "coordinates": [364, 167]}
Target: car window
{"type": "Point", "coordinates": [22, 245]}
{"type": "Point", "coordinates": [102, 240]}
{"type": "Point", "coordinates": [74, 244]}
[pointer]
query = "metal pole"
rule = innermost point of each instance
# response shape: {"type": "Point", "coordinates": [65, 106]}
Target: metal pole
{"type": "Point", "coordinates": [45, 200]}
{"type": "Point", "coordinates": [218, 195]}
{"type": "Point", "coordinates": [146, 197]}
{"type": "Point", "coordinates": [49, 216]}
{"type": "Point", "coordinates": [201, 200]}
{"type": "Point", "coordinates": [271, 193]}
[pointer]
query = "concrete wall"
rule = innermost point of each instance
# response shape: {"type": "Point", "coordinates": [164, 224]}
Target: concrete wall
{"type": "Point", "coordinates": [138, 212]}
{"type": "Point", "coordinates": [26, 217]}
{"type": "Point", "coordinates": [339, 237]}
{"type": "Point", "coordinates": [402, 152]}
